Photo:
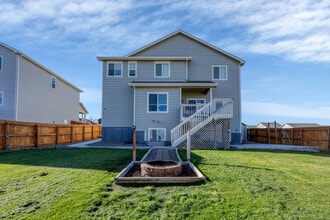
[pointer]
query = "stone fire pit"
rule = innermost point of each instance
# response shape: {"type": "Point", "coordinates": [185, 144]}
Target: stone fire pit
{"type": "Point", "coordinates": [160, 165]}
{"type": "Point", "coordinates": [160, 168]}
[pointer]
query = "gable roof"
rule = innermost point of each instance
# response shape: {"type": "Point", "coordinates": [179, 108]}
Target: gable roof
{"type": "Point", "coordinates": [19, 53]}
{"type": "Point", "coordinates": [266, 124]}
{"type": "Point", "coordinates": [301, 125]}
{"type": "Point", "coordinates": [83, 109]}
{"type": "Point", "coordinates": [241, 61]}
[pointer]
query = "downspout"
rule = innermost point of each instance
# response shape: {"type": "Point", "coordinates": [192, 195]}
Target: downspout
{"type": "Point", "coordinates": [211, 94]}
{"type": "Point", "coordinates": [240, 103]}
{"type": "Point", "coordinates": [134, 105]}
{"type": "Point", "coordinates": [17, 86]}
{"type": "Point", "coordinates": [186, 69]}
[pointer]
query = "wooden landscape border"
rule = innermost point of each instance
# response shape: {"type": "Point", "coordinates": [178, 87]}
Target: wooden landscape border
{"type": "Point", "coordinates": [16, 135]}
{"type": "Point", "coordinates": [315, 137]}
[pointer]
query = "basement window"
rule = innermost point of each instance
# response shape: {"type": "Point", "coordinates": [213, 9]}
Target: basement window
{"type": "Point", "coordinates": [157, 134]}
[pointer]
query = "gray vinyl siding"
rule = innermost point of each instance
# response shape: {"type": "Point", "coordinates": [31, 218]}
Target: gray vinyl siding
{"type": "Point", "coordinates": [145, 120]}
{"type": "Point", "coordinates": [117, 100]}
{"type": "Point", "coordinates": [8, 84]}
{"type": "Point", "coordinates": [200, 68]}
{"type": "Point", "coordinates": [146, 71]}
{"type": "Point", "coordinates": [39, 102]}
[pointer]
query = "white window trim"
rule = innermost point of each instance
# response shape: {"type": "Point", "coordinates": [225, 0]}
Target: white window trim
{"type": "Point", "coordinates": [219, 67]}
{"type": "Point", "coordinates": [196, 99]}
{"type": "Point", "coordinates": [149, 132]}
{"type": "Point", "coordinates": [157, 94]}
{"type": "Point", "coordinates": [2, 95]}
{"type": "Point", "coordinates": [169, 69]}
{"type": "Point", "coordinates": [1, 63]}
{"type": "Point", "coordinates": [121, 66]}
{"type": "Point", "coordinates": [128, 69]}
{"type": "Point", "coordinates": [51, 81]}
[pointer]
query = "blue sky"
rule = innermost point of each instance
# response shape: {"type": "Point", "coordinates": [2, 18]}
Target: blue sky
{"type": "Point", "coordinates": [286, 45]}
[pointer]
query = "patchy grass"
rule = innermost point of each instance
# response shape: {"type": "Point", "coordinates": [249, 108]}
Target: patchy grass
{"type": "Point", "coordinates": [79, 184]}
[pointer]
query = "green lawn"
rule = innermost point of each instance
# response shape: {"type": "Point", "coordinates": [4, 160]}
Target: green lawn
{"type": "Point", "coordinates": [79, 184]}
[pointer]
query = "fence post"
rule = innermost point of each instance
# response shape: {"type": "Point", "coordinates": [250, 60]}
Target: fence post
{"type": "Point", "coordinates": [57, 134]}
{"type": "Point", "coordinates": [36, 135]}
{"type": "Point", "coordinates": [83, 137]}
{"type": "Point", "coordinates": [275, 132]}
{"type": "Point", "coordinates": [72, 134]}
{"type": "Point", "coordinates": [268, 133]}
{"type": "Point", "coordinates": [7, 136]}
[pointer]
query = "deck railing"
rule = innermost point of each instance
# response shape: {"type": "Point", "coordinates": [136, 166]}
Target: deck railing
{"type": "Point", "coordinates": [188, 110]}
{"type": "Point", "coordinates": [217, 109]}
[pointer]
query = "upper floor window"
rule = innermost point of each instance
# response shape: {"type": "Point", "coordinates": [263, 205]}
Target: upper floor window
{"type": "Point", "coordinates": [132, 69]}
{"type": "Point", "coordinates": [1, 98]}
{"type": "Point", "coordinates": [115, 69]}
{"type": "Point", "coordinates": [219, 72]}
{"type": "Point", "coordinates": [158, 102]}
{"type": "Point", "coordinates": [162, 69]}
{"type": "Point", "coordinates": [1, 63]}
{"type": "Point", "coordinates": [53, 82]}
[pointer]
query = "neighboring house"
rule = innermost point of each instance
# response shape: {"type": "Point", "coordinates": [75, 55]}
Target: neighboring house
{"type": "Point", "coordinates": [32, 93]}
{"type": "Point", "coordinates": [176, 84]}
{"type": "Point", "coordinates": [268, 125]}
{"type": "Point", "coordinates": [300, 125]}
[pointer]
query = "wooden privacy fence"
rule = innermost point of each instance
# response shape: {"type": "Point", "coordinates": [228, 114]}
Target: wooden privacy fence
{"type": "Point", "coordinates": [317, 137]}
{"type": "Point", "coordinates": [23, 135]}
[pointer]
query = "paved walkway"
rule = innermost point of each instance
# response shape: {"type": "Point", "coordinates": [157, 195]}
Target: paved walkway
{"type": "Point", "coordinates": [155, 153]}
{"type": "Point", "coordinates": [162, 153]}
{"type": "Point", "coordinates": [99, 144]}
{"type": "Point", "coordinates": [276, 147]}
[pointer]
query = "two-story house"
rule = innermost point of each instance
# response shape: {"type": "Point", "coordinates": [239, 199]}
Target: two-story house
{"type": "Point", "coordinates": [30, 92]}
{"type": "Point", "coordinates": [175, 87]}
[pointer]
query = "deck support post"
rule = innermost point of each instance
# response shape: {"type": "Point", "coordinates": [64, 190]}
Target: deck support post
{"type": "Point", "coordinates": [188, 145]}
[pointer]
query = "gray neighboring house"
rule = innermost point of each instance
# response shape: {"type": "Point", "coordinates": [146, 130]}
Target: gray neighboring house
{"type": "Point", "coordinates": [30, 92]}
{"type": "Point", "coordinates": [176, 84]}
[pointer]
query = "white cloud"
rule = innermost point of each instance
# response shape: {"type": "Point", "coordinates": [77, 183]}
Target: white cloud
{"type": "Point", "coordinates": [298, 30]}
{"type": "Point", "coordinates": [316, 111]}
{"type": "Point", "coordinates": [294, 29]}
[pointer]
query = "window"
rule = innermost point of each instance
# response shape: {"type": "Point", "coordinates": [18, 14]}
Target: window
{"type": "Point", "coordinates": [196, 101]}
{"type": "Point", "coordinates": [132, 69]}
{"type": "Point", "coordinates": [162, 69]}
{"type": "Point", "coordinates": [53, 82]}
{"type": "Point", "coordinates": [1, 98]}
{"type": "Point", "coordinates": [1, 63]}
{"type": "Point", "coordinates": [220, 72]}
{"type": "Point", "coordinates": [115, 69]}
{"type": "Point", "coordinates": [157, 134]}
{"type": "Point", "coordinates": [157, 102]}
